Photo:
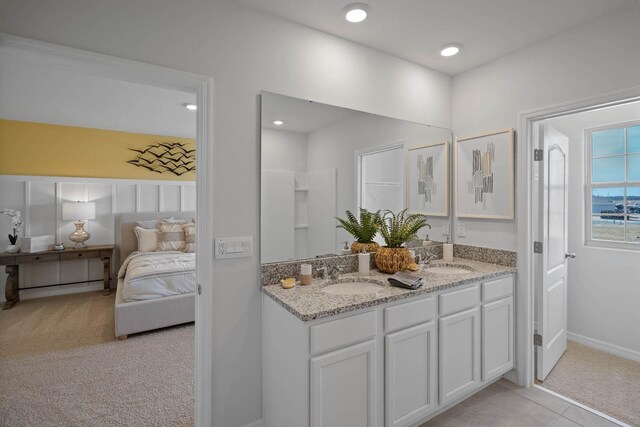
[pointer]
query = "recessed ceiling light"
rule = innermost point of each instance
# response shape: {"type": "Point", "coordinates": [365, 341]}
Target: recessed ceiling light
{"type": "Point", "coordinates": [356, 12]}
{"type": "Point", "coordinates": [191, 107]}
{"type": "Point", "coordinates": [450, 49]}
{"type": "Point", "coordinates": [278, 122]}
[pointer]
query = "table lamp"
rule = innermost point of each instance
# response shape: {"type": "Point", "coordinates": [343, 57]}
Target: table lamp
{"type": "Point", "coordinates": [79, 212]}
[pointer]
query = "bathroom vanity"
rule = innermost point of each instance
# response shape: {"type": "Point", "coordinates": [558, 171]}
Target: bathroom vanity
{"type": "Point", "coordinates": [391, 357]}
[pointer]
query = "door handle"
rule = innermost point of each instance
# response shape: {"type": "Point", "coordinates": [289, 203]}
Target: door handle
{"type": "Point", "coordinates": [570, 255]}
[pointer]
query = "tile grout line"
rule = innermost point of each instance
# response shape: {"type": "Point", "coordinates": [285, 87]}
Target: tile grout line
{"type": "Point", "coordinates": [582, 406]}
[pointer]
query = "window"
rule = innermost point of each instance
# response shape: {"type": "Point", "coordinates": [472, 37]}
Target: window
{"type": "Point", "coordinates": [613, 185]}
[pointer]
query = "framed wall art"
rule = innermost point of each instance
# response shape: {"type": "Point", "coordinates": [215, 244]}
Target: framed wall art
{"type": "Point", "coordinates": [428, 179]}
{"type": "Point", "coordinates": [484, 176]}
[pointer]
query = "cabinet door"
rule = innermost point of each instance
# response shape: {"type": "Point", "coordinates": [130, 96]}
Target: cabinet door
{"type": "Point", "coordinates": [410, 370]}
{"type": "Point", "coordinates": [497, 338]}
{"type": "Point", "coordinates": [459, 354]}
{"type": "Point", "coordinates": [343, 387]}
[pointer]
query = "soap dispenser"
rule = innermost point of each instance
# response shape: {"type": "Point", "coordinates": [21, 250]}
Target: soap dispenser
{"type": "Point", "coordinates": [345, 250]}
{"type": "Point", "coordinates": [364, 260]}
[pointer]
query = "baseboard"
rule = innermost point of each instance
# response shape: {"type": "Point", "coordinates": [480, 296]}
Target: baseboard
{"type": "Point", "coordinates": [257, 423]}
{"type": "Point", "coordinates": [606, 347]}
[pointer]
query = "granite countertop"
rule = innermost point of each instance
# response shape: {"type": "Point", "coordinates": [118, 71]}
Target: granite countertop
{"type": "Point", "coordinates": [309, 302]}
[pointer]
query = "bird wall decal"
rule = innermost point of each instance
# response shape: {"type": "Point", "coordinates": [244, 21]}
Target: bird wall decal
{"type": "Point", "coordinates": [173, 157]}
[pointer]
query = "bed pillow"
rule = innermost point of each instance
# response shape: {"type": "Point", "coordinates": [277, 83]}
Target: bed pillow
{"type": "Point", "coordinates": [189, 236]}
{"type": "Point", "coordinates": [150, 224]}
{"type": "Point", "coordinates": [170, 236]}
{"type": "Point", "coordinates": [147, 239]}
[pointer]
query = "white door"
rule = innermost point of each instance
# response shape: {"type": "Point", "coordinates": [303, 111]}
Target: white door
{"type": "Point", "coordinates": [459, 354]}
{"type": "Point", "coordinates": [410, 371]}
{"type": "Point", "coordinates": [551, 287]}
{"type": "Point", "coordinates": [343, 387]}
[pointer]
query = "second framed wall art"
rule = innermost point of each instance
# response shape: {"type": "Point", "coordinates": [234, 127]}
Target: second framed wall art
{"type": "Point", "coordinates": [428, 179]}
{"type": "Point", "coordinates": [484, 176]}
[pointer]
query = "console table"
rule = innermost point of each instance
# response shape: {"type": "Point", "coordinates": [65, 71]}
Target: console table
{"type": "Point", "coordinates": [12, 261]}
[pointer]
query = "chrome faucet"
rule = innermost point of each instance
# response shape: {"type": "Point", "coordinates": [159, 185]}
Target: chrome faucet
{"type": "Point", "coordinates": [429, 258]}
{"type": "Point", "coordinates": [335, 273]}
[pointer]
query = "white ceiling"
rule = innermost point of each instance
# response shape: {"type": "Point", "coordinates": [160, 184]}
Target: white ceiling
{"type": "Point", "coordinates": [416, 29]}
{"type": "Point", "coordinates": [37, 93]}
{"type": "Point", "coordinates": [299, 115]}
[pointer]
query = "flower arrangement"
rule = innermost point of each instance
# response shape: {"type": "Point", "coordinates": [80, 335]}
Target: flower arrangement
{"type": "Point", "coordinates": [16, 223]}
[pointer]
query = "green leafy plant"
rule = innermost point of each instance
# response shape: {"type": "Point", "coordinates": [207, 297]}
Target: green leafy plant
{"type": "Point", "coordinates": [363, 230]}
{"type": "Point", "coordinates": [400, 228]}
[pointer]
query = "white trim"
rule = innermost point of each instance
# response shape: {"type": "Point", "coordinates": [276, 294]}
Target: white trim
{"type": "Point", "coordinates": [585, 407]}
{"type": "Point", "coordinates": [97, 64]}
{"type": "Point", "coordinates": [257, 423]}
{"type": "Point", "coordinates": [524, 181]}
{"type": "Point", "coordinates": [604, 346]}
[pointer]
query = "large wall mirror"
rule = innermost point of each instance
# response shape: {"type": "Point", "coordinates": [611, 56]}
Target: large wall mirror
{"type": "Point", "coordinates": [320, 160]}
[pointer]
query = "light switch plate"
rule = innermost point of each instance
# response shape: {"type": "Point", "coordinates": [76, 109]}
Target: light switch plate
{"type": "Point", "coordinates": [233, 247]}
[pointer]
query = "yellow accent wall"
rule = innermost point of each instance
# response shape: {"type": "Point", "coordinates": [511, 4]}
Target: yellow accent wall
{"type": "Point", "coordinates": [28, 148]}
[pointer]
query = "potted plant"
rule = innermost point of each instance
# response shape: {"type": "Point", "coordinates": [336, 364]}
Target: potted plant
{"type": "Point", "coordinates": [397, 229]}
{"type": "Point", "coordinates": [363, 230]}
{"type": "Point", "coordinates": [16, 224]}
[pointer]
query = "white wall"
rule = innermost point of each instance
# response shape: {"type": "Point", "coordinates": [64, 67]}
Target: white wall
{"type": "Point", "coordinates": [39, 199]}
{"type": "Point", "coordinates": [334, 146]}
{"type": "Point", "coordinates": [603, 288]}
{"type": "Point", "coordinates": [246, 52]}
{"type": "Point", "coordinates": [284, 150]}
{"type": "Point", "coordinates": [592, 59]}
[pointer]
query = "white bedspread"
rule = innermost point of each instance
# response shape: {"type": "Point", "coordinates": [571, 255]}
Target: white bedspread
{"type": "Point", "coordinates": [148, 275]}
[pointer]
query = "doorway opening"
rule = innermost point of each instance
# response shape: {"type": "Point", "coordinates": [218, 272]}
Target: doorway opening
{"type": "Point", "coordinates": [137, 197]}
{"type": "Point", "coordinates": [585, 196]}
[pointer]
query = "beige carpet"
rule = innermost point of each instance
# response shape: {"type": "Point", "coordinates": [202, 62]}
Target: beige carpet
{"type": "Point", "coordinates": [60, 365]}
{"type": "Point", "coordinates": [600, 380]}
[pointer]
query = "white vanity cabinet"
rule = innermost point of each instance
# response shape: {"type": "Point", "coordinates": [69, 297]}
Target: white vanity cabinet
{"type": "Point", "coordinates": [395, 364]}
{"type": "Point", "coordinates": [410, 361]}
{"type": "Point", "coordinates": [343, 386]}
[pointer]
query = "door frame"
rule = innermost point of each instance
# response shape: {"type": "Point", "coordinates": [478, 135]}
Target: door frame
{"type": "Point", "coordinates": [527, 223]}
{"type": "Point", "coordinates": [357, 166]}
{"type": "Point", "coordinates": [113, 67]}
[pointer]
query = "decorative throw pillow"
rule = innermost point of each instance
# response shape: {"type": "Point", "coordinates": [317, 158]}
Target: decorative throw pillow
{"type": "Point", "coordinates": [147, 239]}
{"type": "Point", "coordinates": [170, 237]}
{"type": "Point", "coordinates": [189, 236]}
{"type": "Point", "coordinates": [150, 224]}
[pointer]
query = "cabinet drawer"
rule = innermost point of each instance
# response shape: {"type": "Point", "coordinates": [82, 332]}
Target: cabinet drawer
{"type": "Point", "coordinates": [38, 258]}
{"type": "Point", "coordinates": [409, 314]}
{"type": "Point", "coordinates": [79, 255]}
{"type": "Point", "coordinates": [455, 301]}
{"type": "Point", "coordinates": [343, 332]}
{"type": "Point", "coordinates": [499, 288]}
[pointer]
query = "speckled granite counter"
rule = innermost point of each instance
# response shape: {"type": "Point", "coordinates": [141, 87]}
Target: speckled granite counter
{"type": "Point", "coordinates": [309, 302]}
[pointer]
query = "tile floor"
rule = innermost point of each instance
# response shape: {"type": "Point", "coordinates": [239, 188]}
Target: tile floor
{"type": "Point", "coordinates": [506, 404]}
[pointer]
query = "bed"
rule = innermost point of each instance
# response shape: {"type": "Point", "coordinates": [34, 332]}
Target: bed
{"type": "Point", "coordinates": [149, 310]}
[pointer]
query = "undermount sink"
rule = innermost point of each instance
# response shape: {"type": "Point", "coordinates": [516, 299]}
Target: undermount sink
{"type": "Point", "coordinates": [449, 269]}
{"type": "Point", "coordinates": [351, 287]}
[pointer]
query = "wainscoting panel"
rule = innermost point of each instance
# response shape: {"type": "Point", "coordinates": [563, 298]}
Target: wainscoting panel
{"type": "Point", "coordinates": [40, 200]}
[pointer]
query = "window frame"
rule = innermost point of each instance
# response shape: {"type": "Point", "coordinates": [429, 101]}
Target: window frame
{"type": "Point", "coordinates": [589, 186]}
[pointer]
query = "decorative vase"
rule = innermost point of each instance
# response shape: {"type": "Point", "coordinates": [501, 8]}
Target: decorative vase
{"type": "Point", "coordinates": [356, 247]}
{"type": "Point", "coordinates": [13, 249]}
{"type": "Point", "coordinates": [392, 260]}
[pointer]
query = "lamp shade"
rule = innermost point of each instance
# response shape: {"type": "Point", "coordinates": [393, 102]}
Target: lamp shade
{"type": "Point", "coordinates": [72, 211]}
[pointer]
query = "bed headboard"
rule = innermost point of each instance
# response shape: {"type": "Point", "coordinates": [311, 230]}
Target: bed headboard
{"type": "Point", "coordinates": [125, 223]}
